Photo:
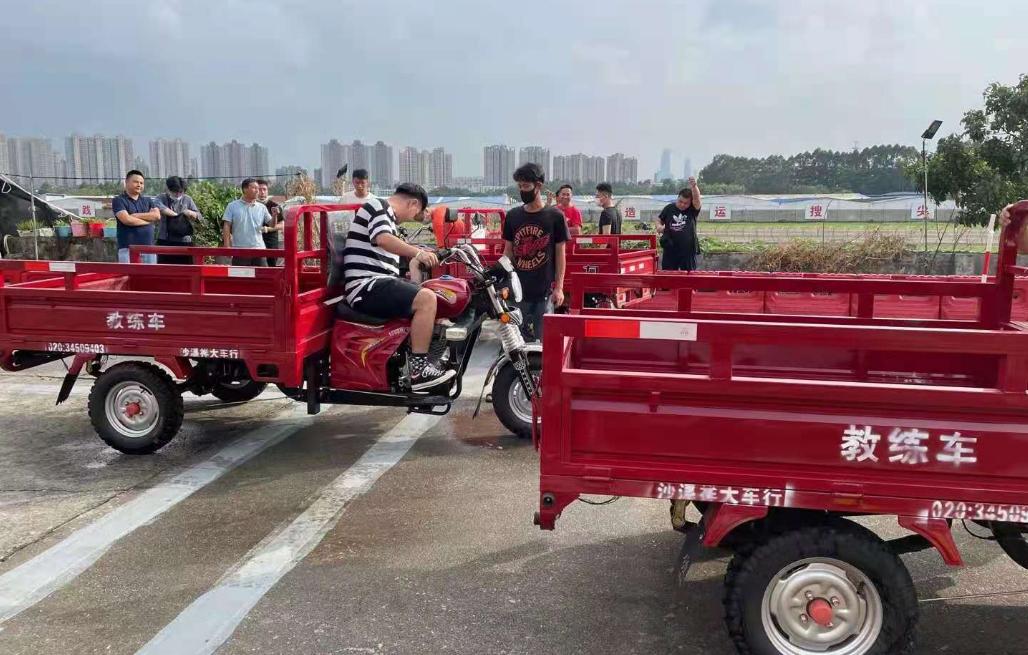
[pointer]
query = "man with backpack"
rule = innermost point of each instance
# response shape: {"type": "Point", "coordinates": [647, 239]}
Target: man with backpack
{"type": "Point", "coordinates": [179, 215]}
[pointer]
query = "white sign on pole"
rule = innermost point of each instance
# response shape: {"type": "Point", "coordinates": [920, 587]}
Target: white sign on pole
{"type": "Point", "coordinates": [630, 213]}
{"type": "Point", "coordinates": [919, 212]}
{"type": "Point", "coordinates": [720, 213]}
{"type": "Point", "coordinates": [816, 211]}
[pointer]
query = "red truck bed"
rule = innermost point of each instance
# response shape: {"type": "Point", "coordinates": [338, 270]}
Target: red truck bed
{"type": "Point", "coordinates": [268, 318]}
{"type": "Point", "coordinates": [918, 417]}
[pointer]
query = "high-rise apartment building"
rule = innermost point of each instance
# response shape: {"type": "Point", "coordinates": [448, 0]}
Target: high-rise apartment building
{"type": "Point", "coordinates": [169, 157]}
{"type": "Point", "coordinates": [536, 155]}
{"type": "Point", "coordinates": [381, 165]}
{"type": "Point", "coordinates": [665, 166]}
{"type": "Point", "coordinates": [333, 156]}
{"type": "Point", "coordinates": [93, 159]}
{"type": "Point", "coordinates": [360, 157]}
{"type": "Point", "coordinates": [5, 158]}
{"type": "Point", "coordinates": [233, 161]}
{"type": "Point", "coordinates": [498, 165]}
{"type": "Point", "coordinates": [440, 168]}
{"type": "Point", "coordinates": [413, 166]}
{"type": "Point", "coordinates": [621, 169]}
{"type": "Point", "coordinates": [29, 157]}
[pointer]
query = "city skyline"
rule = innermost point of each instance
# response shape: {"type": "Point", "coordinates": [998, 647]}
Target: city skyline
{"type": "Point", "coordinates": [100, 158]}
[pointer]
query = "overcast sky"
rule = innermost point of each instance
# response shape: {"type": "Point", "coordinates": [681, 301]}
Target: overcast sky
{"type": "Point", "coordinates": [702, 77]}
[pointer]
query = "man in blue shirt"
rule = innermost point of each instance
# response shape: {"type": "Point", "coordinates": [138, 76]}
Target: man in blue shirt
{"type": "Point", "coordinates": [136, 216]}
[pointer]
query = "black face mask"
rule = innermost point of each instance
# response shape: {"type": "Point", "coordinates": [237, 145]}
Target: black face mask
{"type": "Point", "coordinates": [528, 196]}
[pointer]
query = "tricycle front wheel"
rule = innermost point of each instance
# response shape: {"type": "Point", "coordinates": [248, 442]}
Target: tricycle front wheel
{"type": "Point", "coordinates": [135, 408]}
{"type": "Point", "coordinates": [512, 404]}
{"type": "Point", "coordinates": [822, 589]}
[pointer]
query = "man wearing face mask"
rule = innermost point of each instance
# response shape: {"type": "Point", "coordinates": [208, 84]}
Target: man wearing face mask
{"type": "Point", "coordinates": [534, 239]}
{"type": "Point", "coordinates": [179, 215]}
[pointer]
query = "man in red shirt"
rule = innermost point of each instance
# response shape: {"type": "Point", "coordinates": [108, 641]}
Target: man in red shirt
{"type": "Point", "coordinates": [572, 216]}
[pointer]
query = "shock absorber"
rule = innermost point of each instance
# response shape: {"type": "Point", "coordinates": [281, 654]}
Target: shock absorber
{"type": "Point", "coordinates": [511, 337]}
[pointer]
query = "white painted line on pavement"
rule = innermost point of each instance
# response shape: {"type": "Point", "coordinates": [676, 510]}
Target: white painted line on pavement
{"type": "Point", "coordinates": [27, 584]}
{"type": "Point", "coordinates": [212, 618]}
{"type": "Point", "coordinates": [7, 390]}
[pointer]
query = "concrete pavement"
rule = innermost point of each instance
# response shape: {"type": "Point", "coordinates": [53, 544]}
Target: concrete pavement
{"type": "Point", "coordinates": [437, 554]}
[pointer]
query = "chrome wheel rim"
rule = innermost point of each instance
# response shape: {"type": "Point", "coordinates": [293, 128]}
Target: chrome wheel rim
{"type": "Point", "coordinates": [131, 409]}
{"type": "Point", "coordinates": [519, 401]}
{"type": "Point", "coordinates": [821, 605]}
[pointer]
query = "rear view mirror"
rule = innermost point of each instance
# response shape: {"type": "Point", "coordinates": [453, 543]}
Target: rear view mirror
{"type": "Point", "coordinates": [449, 217]}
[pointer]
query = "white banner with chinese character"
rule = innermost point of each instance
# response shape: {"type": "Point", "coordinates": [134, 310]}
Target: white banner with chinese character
{"type": "Point", "coordinates": [816, 211]}
{"type": "Point", "coordinates": [919, 212]}
{"type": "Point", "coordinates": [629, 214]}
{"type": "Point", "coordinates": [720, 213]}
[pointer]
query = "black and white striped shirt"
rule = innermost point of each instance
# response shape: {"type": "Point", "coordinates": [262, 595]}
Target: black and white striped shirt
{"type": "Point", "coordinates": [362, 259]}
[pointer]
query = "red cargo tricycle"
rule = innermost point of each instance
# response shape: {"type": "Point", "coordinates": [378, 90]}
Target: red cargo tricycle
{"type": "Point", "coordinates": [231, 330]}
{"type": "Point", "coordinates": [780, 429]}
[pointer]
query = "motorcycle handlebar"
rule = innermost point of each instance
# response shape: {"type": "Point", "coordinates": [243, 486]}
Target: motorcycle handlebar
{"type": "Point", "coordinates": [441, 254]}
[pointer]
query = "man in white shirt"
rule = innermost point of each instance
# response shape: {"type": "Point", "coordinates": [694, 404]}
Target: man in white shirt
{"type": "Point", "coordinates": [361, 189]}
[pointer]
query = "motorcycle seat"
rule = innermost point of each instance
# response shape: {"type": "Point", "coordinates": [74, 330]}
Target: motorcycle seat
{"type": "Point", "coordinates": [346, 313]}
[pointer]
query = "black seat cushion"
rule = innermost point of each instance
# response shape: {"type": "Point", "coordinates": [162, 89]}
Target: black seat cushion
{"type": "Point", "coordinates": [346, 313]}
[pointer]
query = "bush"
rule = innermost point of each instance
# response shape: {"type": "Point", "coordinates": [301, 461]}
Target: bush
{"type": "Point", "coordinates": [867, 255]}
{"type": "Point", "coordinates": [211, 199]}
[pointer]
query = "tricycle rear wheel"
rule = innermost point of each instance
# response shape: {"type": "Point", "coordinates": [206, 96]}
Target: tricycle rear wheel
{"type": "Point", "coordinates": [135, 408]}
{"type": "Point", "coordinates": [1012, 539]}
{"type": "Point", "coordinates": [834, 589]}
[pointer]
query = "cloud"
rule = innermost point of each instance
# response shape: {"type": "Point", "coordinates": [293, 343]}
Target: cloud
{"type": "Point", "coordinates": [701, 77]}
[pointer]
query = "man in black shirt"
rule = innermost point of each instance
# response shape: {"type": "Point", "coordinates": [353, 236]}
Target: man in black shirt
{"type": "Point", "coordinates": [271, 235]}
{"type": "Point", "coordinates": [610, 217]}
{"type": "Point", "coordinates": [678, 230]}
{"type": "Point", "coordinates": [534, 239]}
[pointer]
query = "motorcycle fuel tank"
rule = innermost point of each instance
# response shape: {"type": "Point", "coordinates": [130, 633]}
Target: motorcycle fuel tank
{"type": "Point", "coordinates": [452, 295]}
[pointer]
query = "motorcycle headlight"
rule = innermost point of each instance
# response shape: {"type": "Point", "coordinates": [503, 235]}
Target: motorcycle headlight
{"type": "Point", "coordinates": [515, 286]}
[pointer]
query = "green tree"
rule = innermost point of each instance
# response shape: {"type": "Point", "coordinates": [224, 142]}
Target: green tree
{"type": "Point", "coordinates": [211, 199]}
{"type": "Point", "coordinates": [986, 166]}
{"type": "Point", "coordinates": [872, 171]}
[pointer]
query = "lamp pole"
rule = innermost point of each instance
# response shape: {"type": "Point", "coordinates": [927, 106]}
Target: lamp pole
{"type": "Point", "coordinates": [925, 136]}
{"type": "Point", "coordinates": [924, 165]}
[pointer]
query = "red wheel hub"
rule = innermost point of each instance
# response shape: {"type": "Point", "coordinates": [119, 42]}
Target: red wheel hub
{"type": "Point", "coordinates": [132, 410]}
{"type": "Point", "coordinates": [820, 610]}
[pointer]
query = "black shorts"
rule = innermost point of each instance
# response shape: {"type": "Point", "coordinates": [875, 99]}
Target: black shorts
{"type": "Point", "coordinates": [676, 260]}
{"type": "Point", "coordinates": [387, 297]}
